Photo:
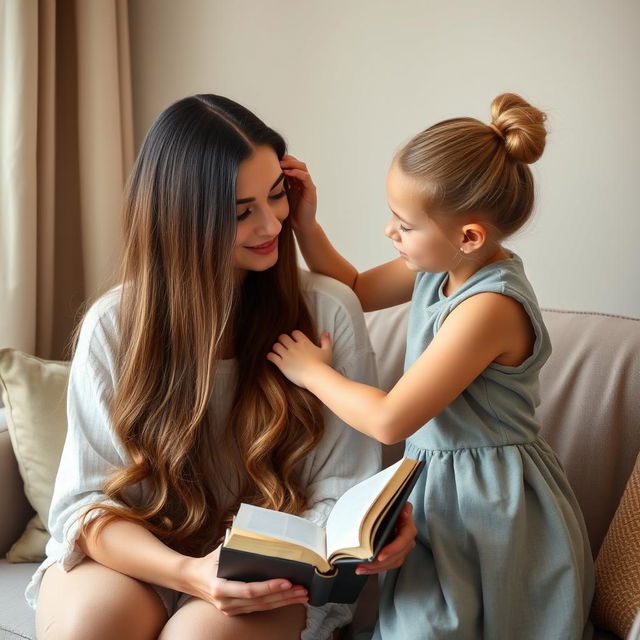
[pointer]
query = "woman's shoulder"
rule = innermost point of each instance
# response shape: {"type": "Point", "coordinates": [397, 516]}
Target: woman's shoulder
{"type": "Point", "coordinates": [324, 293]}
{"type": "Point", "coordinates": [334, 307]}
{"type": "Point", "coordinates": [98, 333]}
{"type": "Point", "coordinates": [103, 312]}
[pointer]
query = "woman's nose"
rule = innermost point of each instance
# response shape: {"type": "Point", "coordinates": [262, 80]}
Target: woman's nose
{"type": "Point", "coordinates": [271, 223]}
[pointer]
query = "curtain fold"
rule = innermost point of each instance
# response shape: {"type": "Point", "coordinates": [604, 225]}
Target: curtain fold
{"type": "Point", "coordinates": [18, 172]}
{"type": "Point", "coordinates": [66, 150]}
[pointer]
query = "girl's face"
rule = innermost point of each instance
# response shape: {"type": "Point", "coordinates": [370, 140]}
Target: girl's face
{"type": "Point", "coordinates": [426, 242]}
{"type": "Point", "coordinates": [261, 207]}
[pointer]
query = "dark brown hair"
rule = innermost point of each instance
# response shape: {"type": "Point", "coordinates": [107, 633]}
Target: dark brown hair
{"type": "Point", "coordinates": [180, 302]}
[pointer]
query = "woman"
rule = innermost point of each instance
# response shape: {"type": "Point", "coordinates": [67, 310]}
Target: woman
{"type": "Point", "coordinates": [175, 414]}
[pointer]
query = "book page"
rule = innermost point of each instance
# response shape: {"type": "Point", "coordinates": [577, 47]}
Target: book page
{"type": "Point", "coordinates": [343, 524]}
{"type": "Point", "coordinates": [280, 526]}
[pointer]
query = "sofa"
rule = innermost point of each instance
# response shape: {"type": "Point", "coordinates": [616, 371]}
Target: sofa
{"type": "Point", "coordinates": [589, 411]}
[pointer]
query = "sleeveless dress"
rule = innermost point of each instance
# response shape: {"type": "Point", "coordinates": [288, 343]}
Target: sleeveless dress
{"type": "Point", "coordinates": [502, 551]}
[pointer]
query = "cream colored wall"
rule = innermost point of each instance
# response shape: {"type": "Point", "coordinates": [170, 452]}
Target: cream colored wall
{"type": "Point", "coordinates": [348, 81]}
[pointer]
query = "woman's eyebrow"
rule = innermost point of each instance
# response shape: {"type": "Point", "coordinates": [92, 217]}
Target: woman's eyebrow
{"type": "Point", "coordinates": [273, 186]}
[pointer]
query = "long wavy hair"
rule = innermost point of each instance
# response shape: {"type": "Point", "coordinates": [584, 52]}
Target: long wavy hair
{"type": "Point", "coordinates": [180, 305]}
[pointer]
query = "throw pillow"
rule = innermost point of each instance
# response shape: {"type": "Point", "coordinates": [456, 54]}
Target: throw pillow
{"type": "Point", "coordinates": [34, 396]}
{"type": "Point", "coordinates": [617, 595]}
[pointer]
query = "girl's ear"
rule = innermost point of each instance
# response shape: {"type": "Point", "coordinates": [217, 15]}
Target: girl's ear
{"type": "Point", "coordinates": [474, 235]}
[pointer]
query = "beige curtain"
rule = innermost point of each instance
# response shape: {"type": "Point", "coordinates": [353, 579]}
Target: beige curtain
{"type": "Point", "coordinates": [66, 147]}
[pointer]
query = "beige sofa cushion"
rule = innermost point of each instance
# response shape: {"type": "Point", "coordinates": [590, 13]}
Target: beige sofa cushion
{"type": "Point", "coordinates": [617, 597]}
{"type": "Point", "coordinates": [589, 410]}
{"type": "Point", "coordinates": [34, 395]}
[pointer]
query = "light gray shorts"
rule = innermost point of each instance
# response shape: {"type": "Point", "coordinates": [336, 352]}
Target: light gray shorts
{"type": "Point", "coordinates": [172, 600]}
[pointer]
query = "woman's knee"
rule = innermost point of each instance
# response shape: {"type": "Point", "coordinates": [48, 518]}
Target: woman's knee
{"type": "Point", "coordinates": [199, 620]}
{"type": "Point", "coordinates": [92, 602]}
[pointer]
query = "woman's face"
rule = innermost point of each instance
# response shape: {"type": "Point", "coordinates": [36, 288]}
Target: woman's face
{"type": "Point", "coordinates": [261, 207]}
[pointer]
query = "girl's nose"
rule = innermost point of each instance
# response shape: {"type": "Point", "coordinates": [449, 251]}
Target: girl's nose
{"type": "Point", "coordinates": [390, 231]}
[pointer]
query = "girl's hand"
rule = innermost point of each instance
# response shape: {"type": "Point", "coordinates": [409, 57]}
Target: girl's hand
{"type": "Point", "coordinates": [395, 553]}
{"type": "Point", "coordinates": [233, 598]}
{"type": "Point", "coordinates": [301, 192]}
{"type": "Point", "coordinates": [296, 356]}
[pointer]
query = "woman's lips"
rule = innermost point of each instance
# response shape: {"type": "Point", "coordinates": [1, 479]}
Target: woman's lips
{"type": "Point", "coordinates": [266, 247]}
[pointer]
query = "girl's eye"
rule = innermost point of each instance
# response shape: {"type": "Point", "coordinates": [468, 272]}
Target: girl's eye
{"type": "Point", "coordinates": [277, 196]}
{"type": "Point", "coordinates": [403, 228]}
{"type": "Point", "coordinates": [244, 214]}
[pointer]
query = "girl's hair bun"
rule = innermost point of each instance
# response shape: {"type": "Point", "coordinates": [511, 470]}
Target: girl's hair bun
{"type": "Point", "coordinates": [521, 126]}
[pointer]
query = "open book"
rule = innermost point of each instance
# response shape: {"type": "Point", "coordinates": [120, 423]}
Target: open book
{"type": "Point", "coordinates": [263, 544]}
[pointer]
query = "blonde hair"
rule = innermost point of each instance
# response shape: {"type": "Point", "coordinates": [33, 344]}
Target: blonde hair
{"type": "Point", "coordinates": [181, 303]}
{"type": "Point", "coordinates": [465, 166]}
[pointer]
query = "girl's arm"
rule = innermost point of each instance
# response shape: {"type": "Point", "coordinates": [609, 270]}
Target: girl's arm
{"type": "Point", "coordinates": [344, 457]}
{"type": "Point", "coordinates": [482, 329]}
{"type": "Point", "coordinates": [383, 286]}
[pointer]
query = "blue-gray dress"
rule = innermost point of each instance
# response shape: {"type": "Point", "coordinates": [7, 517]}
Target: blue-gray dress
{"type": "Point", "coordinates": [502, 551]}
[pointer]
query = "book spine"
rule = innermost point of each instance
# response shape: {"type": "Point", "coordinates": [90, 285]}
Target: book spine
{"type": "Point", "coordinates": [321, 588]}
{"type": "Point", "coordinates": [347, 584]}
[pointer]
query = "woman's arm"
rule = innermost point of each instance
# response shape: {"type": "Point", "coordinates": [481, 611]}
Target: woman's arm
{"type": "Point", "coordinates": [90, 454]}
{"type": "Point", "coordinates": [383, 286]}
{"type": "Point", "coordinates": [476, 333]}
{"type": "Point", "coordinates": [130, 549]}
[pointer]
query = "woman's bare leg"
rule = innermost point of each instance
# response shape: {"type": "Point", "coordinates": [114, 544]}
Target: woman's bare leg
{"type": "Point", "coordinates": [92, 602]}
{"type": "Point", "coordinates": [199, 620]}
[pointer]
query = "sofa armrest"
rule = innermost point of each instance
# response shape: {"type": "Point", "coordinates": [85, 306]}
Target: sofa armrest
{"type": "Point", "coordinates": [15, 510]}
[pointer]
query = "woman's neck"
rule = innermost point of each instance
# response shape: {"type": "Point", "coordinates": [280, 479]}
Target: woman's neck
{"type": "Point", "coordinates": [228, 349]}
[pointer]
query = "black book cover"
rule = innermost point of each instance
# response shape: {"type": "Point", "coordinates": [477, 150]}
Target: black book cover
{"type": "Point", "coordinates": [340, 585]}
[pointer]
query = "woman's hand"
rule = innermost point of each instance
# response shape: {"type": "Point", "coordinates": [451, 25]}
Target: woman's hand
{"type": "Point", "coordinates": [395, 553]}
{"type": "Point", "coordinates": [232, 597]}
{"type": "Point", "coordinates": [301, 192]}
{"type": "Point", "coordinates": [296, 356]}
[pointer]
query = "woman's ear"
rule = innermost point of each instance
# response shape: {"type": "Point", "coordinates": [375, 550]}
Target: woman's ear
{"type": "Point", "coordinates": [474, 235]}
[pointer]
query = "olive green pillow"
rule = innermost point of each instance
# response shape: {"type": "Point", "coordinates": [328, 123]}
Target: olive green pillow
{"type": "Point", "coordinates": [617, 596]}
{"type": "Point", "coordinates": [34, 394]}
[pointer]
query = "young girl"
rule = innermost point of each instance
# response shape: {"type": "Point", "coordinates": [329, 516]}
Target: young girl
{"type": "Point", "coordinates": [174, 414]}
{"type": "Point", "coordinates": [502, 551]}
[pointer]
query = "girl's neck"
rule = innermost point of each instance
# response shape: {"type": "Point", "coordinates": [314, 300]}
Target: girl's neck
{"type": "Point", "coordinates": [471, 264]}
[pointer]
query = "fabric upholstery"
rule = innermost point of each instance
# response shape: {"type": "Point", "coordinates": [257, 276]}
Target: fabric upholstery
{"type": "Point", "coordinates": [16, 616]}
{"type": "Point", "coordinates": [589, 414]}
{"type": "Point", "coordinates": [14, 507]}
{"type": "Point", "coordinates": [617, 599]}
{"type": "Point", "coordinates": [589, 410]}
{"type": "Point", "coordinates": [34, 395]}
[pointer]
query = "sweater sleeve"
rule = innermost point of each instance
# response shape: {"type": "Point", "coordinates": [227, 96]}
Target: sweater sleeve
{"type": "Point", "coordinates": [344, 456]}
{"type": "Point", "coordinates": [91, 451]}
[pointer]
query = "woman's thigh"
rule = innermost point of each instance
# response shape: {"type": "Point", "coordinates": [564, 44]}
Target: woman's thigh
{"type": "Point", "coordinates": [199, 620]}
{"type": "Point", "coordinates": [92, 602]}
